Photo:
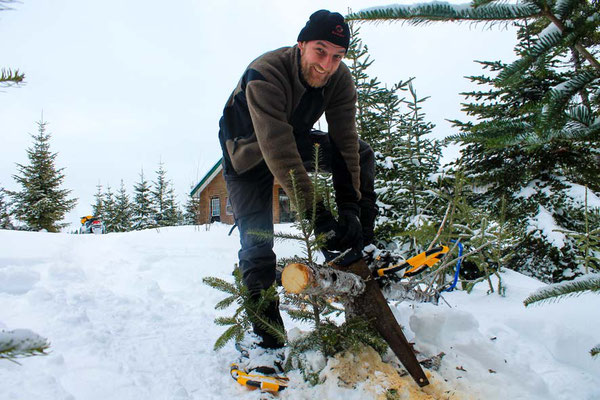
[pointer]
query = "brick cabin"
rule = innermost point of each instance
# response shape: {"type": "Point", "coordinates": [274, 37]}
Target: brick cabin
{"type": "Point", "coordinates": [213, 200]}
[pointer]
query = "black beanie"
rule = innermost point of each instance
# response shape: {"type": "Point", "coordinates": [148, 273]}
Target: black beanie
{"type": "Point", "coordinates": [325, 25]}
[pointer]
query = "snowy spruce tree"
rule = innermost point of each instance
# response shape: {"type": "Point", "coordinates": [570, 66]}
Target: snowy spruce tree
{"type": "Point", "coordinates": [42, 203]}
{"type": "Point", "coordinates": [192, 210]}
{"type": "Point", "coordinates": [123, 211]}
{"type": "Point", "coordinates": [163, 198]}
{"type": "Point", "coordinates": [407, 163]}
{"type": "Point", "coordinates": [98, 206]}
{"type": "Point", "coordinates": [143, 207]}
{"type": "Point", "coordinates": [172, 215]}
{"type": "Point", "coordinates": [396, 129]}
{"type": "Point", "coordinates": [369, 90]}
{"type": "Point", "coordinates": [110, 208]}
{"type": "Point", "coordinates": [4, 213]}
{"type": "Point", "coordinates": [535, 140]}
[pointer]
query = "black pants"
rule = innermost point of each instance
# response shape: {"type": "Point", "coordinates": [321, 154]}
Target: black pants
{"type": "Point", "coordinates": [251, 197]}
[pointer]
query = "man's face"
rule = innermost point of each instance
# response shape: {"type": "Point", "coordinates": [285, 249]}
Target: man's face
{"type": "Point", "coordinates": [319, 59]}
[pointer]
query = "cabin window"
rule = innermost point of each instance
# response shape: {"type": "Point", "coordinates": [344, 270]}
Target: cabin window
{"type": "Point", "coordinates": [215, 207]}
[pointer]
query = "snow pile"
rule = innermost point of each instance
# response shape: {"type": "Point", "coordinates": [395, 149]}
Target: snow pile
{"type": "Point", "coordinates": [128, 317]}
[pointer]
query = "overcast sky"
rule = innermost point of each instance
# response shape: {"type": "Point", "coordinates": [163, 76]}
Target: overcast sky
{"type": "Point", "coordinates": [124, 85]}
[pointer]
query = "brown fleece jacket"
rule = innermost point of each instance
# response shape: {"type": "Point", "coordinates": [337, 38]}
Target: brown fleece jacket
{"type": "Point", "coordinates": [273, 93]}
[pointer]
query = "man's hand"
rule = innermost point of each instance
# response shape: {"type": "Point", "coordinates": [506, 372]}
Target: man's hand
{"type": "Point", "coordinates": [342, 234]}
{"type": "Point", "coordinates": [327, 225]}
{"type": "Point", "coordinates": [349, 230]}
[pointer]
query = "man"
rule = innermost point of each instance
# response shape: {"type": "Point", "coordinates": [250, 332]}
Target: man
{"type": "Point", "coordinates": [265, 132]}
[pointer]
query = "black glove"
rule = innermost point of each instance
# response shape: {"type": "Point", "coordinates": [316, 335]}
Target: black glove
{"type": "Point", "coordinates": [326, 224]}
{"type": "Point", "coordinates": [349, 228]}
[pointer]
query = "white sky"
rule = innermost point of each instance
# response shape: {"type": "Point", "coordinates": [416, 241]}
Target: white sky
{"type": "Point", "coordinates": [126, 84]}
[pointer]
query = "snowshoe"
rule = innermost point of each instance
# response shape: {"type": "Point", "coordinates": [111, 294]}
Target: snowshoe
{"type": "Point", "coordinates": [256, 379]}
{"type": "Point", "coordinates": [258, 367]}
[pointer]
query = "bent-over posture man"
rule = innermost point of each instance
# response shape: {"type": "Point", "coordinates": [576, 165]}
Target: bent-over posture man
{"type": "Point", "coordinates": [266, 131]}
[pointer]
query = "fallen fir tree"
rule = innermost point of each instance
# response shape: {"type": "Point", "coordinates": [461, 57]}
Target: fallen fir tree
{"type": "Point", "coordinates": [313, 291]}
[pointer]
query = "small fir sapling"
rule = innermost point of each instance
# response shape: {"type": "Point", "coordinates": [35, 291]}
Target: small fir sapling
{"type": "Point", "coordinates": [249, 310]}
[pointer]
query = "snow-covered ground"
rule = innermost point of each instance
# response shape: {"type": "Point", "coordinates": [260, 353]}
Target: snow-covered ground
{"type": "Point", "coordinates": [128, 317]}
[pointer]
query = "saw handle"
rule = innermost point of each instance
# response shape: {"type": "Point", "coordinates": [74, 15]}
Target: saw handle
{"type": "Point", "coordinates": [417, 263]}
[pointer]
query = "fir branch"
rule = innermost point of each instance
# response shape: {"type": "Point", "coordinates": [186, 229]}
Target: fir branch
{"type": "Point", "coordinates": [583, 115]}
{"type": "Point", "coordinates": [558, 98]}
{"type": "Point", "coordinates": [299, 315]}
{"type": "Point", "coordinates": [224, 321]}
{"type": "Point", "coordinates": [223, 304]}
{"type": "Point", "coordinates": [231, 333]}
{"type": "Point", "coordinates": [21, 343]}
{"type": "Point", "coordinates": [438, 11]}
{"type": "Point", "coordinates": [220, 284]}
{"type": "Point", "coordinates": [257, 316]}
{"type": "Point", "coordinates": [288, 236]}
{"type": "Point", "coordinates": [564, 8]}
{"type": "Point", "coordinates": [595, 351]}
{"type": "Point", "coordinates": [515, 71]}
{"type": "Point", "coordinates": [9, 77]}
{"type": "Point", "coordinates": [559, 291]}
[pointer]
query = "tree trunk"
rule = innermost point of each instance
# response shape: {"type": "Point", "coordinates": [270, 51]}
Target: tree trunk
{"type": "Point", "coordinates": [313, 280]}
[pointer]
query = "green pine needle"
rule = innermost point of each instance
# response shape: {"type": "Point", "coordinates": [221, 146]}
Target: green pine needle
{"type": "Point", "coordinates": [221, 285]}
{"type": "Point", "coordinates": [566, 289]}
{"type": "Point", "coordinates": [595, 351]}
{"type": "Point", "coordinates": [9, 77]}
{"type": "Point", "coordinates": [223, 304]}
{"type": "Point", "coordinates": [224, 321]}
{"type": "Point", "coordinates": [484, 11]}
{"type": "Point", "coordinates": [231, 333]}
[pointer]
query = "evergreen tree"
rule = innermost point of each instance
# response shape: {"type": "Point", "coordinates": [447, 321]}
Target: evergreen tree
{"type": "Point", "coordinates": [41, 203]}
{"type": "Point", "coordinates": [143, 208]}
{"type": "Point", "coordinates": [123, 210]}
{"type": "Point", "coordinates": [163, 198]}
{"type": "Point", "coordinates": [396, 130]}
{"type": "Point", "coordinates": [406, 165]}
{"type": "Point", "coordinates": [172, 216]}
{"type": "Point", "coordinates": [98, 206]}
{"type": "Point", "coordinates": [4, 213]}
{"type": "Point", "coordinates": [110, 210]}
{"type": "Point", "coordinates": [535, 141]}
{"type": "Point", "coordinates": [368, 121]}
{"type": "Point", "coordinates": [192, 211]}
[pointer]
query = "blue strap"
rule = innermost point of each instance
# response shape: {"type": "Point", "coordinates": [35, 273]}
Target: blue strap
{"type": "Point", "coordinates": [460, 252]}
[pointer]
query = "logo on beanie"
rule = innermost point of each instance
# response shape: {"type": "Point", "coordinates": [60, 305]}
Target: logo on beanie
{"type": "Point", "coordinates": [338, 31]}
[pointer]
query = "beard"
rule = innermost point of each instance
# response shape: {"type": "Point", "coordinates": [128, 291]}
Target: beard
{"type": "Point", "coordinates": [311, 76]}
